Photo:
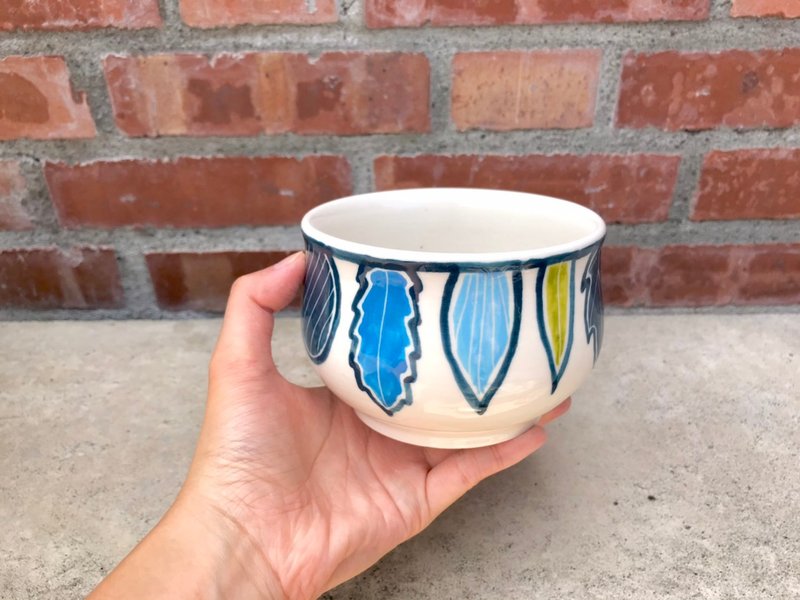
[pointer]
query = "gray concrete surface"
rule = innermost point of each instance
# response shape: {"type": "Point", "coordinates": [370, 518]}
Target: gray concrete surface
{"type": "Point", "coordinates": [84, 53]}
{"type": "Point", "coordinates": [674, 476]}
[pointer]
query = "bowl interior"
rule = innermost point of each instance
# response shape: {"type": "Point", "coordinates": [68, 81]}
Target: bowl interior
{"type": "Point", "coordinates": [446, 221]}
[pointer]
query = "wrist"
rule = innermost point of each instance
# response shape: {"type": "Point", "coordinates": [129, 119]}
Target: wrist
{"type": "Point", "coordinates": [193, 552]}
{"type": "Point", "coordinates": [228, 563]}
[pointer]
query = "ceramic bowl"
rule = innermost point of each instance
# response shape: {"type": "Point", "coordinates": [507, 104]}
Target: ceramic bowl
{"type": "Point", "coordinates": [452, 318]}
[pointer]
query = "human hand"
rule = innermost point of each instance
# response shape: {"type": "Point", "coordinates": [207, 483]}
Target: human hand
{"type": "Point", "coordinates": [289, 493]}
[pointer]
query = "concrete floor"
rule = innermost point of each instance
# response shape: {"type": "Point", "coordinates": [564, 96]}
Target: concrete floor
{"type": "Point", "coordinates": [676, 475]}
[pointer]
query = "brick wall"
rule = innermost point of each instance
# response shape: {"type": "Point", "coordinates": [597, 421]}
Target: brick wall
{"type": "Point", "coordinates": [153, 150]}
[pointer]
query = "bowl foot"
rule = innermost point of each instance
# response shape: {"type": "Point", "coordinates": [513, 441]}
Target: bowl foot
{"type": "Point", "coordinates": [444, 439]}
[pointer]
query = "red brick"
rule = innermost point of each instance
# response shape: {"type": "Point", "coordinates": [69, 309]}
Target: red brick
{"type": "Point", "coordinates": [37, 100]}
{"type": "Point", "coordinates": [13, 188]}
{"type": "Point", "coordinates": [766, 274]}
{"type": "Point", "coordinates": [766, 8]}
{"type": "Point", "coordinates": [344, 93]}
{"type": "Point", "coordinates": [415, 13]}
{"type": "Point", "coordinates": [633, 188]}
{"type": "Point", "coordinates": [621, 267]}
{"type": "Point", "coordinates": [773, 275]}
{"type": "Point", "coordinates": [694, 275]}
{"type": "Point", "coordinates": [195, 192]}
{"type": "Point", "coordinates": [226, 13]}
{"type": "Point", "coordinates": [695, 91]}
{"type": "Point", "coordinates": [749, 184]}
{"type": "Point", "coordinates": [202, 280]}
{"type": "Point", "coordinates": [50, 277]}
{"type": "Point", "coordinates": [78, 14]}
{"type": "Point", "coordinates": [525, 90]}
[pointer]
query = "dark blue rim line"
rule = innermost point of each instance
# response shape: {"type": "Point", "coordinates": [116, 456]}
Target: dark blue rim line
{"type": "Point", "coordinates": [450, 267]}
{"type": "Point", "coordinates": [413, 324]}
{"type": "Point", "coordinates": [480, 404]}
{"type": "Point", "coordinates": [555, 373]}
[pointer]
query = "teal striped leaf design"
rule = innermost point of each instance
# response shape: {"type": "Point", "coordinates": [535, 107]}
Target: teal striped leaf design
{"type": "Point", "coordinates": [480, 321]}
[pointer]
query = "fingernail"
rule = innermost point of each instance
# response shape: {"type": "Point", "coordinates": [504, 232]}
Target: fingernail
{"type": "Point", "coordinates": [287, 262]}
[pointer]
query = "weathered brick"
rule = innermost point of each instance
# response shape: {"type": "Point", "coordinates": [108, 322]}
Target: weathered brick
{"type": "Point", "coordinates": [226, 13]}
{"type": "Point", "coordinates": [524, 90]}
{"type": "Point", "coordinates": [78, 14]}
{"type": "Point", "coordinates": [694, 91]}
{"type": "Point", "coordinates": [694, 275]}
{"type": "Point", "coordinates": [766, 8]}
{"type": "Point", "coordinates": [37, 100]}
{"type": "Point", "coordinates": [85, 277]}
{"type": "Point", "coordinates": [766, 274]}
{"type": "Point", "coordinates": [621, 268]}
{"type": "Point", "coordinates": [202, 280]}
{"type": "Point", "coordinates": [749, 184]}
{"type": "Point", "coordinates": [345, 93]}
{"type": "Point", "coordinates": [632, 188]}
{"type": "Point", "coordinates": [415, 13]}
{"type": "Point", "coordinates": [13, 188]}
{"type": "Point", "coordinates": [195, 192]}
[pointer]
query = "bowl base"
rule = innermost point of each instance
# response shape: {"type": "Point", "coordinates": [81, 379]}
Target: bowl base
{"type": "Point", "coordinates": [444, 439]}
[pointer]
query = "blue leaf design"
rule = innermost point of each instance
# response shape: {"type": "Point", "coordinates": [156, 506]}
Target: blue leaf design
{"type": "Point", "coordinates": [593, 309]}
{"type": "Point", "coordinates": [385, 342]}
{"type": "Point", "coordinates": [321, 302]}
{"type": "Point", "coordinates": [480, 323]}
{"type": "Point", "coordinates": [555, 311]}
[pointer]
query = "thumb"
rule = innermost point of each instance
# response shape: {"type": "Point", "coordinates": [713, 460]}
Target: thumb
{"type": "Point", "coordinates": [248, 323]}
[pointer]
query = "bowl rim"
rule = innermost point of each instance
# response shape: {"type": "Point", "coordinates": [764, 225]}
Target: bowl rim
{"type": "Point", "coordinates": [354, 250]}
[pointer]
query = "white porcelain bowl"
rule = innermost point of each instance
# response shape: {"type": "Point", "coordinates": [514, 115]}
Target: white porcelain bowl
{"type": "Point", "coordinates": [452, 318]}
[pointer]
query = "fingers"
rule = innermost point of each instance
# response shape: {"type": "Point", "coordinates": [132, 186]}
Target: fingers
{"type": "Point", "coordinates": [558, 411]}
{"type": "Point", "coordinates": [248, 322]}
{"type": "Point", "coordinates": [464, 469]}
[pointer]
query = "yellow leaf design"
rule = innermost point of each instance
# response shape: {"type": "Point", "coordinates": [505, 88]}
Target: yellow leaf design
{"type": "Point", "coordinates": [557, 284]}
{"type": "Point", "coordinates": [555, 308]}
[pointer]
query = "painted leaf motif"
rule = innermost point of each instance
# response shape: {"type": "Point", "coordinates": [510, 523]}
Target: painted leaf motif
{"type": "Point", "coordinates": [555, 308]}
{"type": "Point", "coordinates": [593, 307]}
{"type": "Point", "coordinates": [321, 305]}
{"type": "Point", "coordinates": [385, 342]}
{"type": "Point", "coordinates": [480, 328]}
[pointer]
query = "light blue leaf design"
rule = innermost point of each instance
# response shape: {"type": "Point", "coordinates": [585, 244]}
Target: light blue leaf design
{"type": "Point", "coordinates": [480, 322]}
{"type": "Point", "coordinates": [385, 342]}
{"type": "Point", "coordinates": [321, 300]}
{"type": "Point", "coordinates": [593, 308]}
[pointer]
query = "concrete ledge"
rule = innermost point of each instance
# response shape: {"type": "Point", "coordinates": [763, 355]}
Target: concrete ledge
{"type": "Point", "coordinates": [674, 476]}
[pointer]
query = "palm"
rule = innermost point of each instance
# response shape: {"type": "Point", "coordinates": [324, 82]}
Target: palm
{"type": "Point", "coordinates": [317, 469]}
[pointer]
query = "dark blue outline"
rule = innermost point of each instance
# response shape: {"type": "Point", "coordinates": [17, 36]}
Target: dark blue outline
{"type": "Point", "coordinates": [593, 302]}
{"type": "Point", "coordinates": [555, 375]}
{"type": "Point", "coordinates": [480, 405]}
{"type": "Point", "coordinates": [413, 325]}
{"type": "Point", "coordinates": [450, 267]}
{"type": "Point", "coordinates": [337, 309]}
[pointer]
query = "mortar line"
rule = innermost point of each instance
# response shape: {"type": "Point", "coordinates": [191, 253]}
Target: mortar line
{"type": "Point", "coordinates": [608, 90]}
{"type": "Point", "coordinates": [621, 141]}
{"type": "Point", "coordinates": [704, 36]}
{"type": "Point", "coordinates": [135, 279]}
{"type": "Point", "coordinates": [686, 185]}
